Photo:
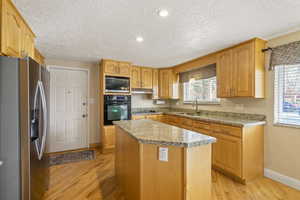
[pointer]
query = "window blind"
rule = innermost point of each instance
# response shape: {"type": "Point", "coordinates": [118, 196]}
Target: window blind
{"type": "Point", "coordinates": [287, 94]}
{"type": "Point", "coordinates": [200, 84]}
{"type": "Point", "coordinates": [199, 73]}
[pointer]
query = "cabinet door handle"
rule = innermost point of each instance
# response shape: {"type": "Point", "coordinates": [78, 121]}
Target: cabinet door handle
{"type": "Point", "coordinates": [1, 163]}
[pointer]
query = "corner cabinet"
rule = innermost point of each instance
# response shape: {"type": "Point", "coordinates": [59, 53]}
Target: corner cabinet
{"type": "Point", "coordinates": [17, 39]}
{"type": "Point", "coordinates": [168, 84]}
{"type": "Point", "coordinates": [241, 70]}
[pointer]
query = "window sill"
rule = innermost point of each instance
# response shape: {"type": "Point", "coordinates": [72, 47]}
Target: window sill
{"type": "Point", "coordinates": [203, 103]}
{"type": "Point", "coordinates": [286, 125]}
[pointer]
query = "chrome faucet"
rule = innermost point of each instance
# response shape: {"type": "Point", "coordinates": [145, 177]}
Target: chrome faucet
{"type": "Point", "coordinates": [196, 105]}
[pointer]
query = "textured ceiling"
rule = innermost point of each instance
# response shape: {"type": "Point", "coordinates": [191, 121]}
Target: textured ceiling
{"type": "Point", "coordinates": [88, 30]}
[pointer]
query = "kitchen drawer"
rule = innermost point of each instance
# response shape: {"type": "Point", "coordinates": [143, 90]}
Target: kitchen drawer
{"type": "Point", "coordinates": [186, 122]}
{"type": "Point", "coordinates": [201, 125]}
{"type": "Point", "coordinates": [153, 117]}
{"type": "Point", "coordinates": [136, 117]}
{"type": "Point", "coordinates": [228, 130]}
{"type": "Point", "coordinates": [174, 119]}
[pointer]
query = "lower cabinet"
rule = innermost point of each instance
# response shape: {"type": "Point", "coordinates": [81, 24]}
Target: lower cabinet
{"type": "Point", "coordinates": [238, 152]}
{"type": "Point", "coordinates": [227, 154]}
{"type": "Point", "coordinates": [108, 138]}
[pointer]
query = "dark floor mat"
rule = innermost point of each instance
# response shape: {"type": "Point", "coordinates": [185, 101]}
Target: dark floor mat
{"type": "Point", "coordinates": [70, 157]}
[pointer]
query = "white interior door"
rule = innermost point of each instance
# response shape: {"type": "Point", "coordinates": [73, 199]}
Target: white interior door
{"type": "Point", "coordinates": [68, 110]}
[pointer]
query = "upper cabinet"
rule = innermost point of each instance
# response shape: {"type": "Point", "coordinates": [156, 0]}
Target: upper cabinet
{"type": "Point", "coordinates": [135, 77]}
{"type": "Point", "coordinates": [17, 39]}
{"type": "Point", "coordinates": [117, 68]}
{"type": "Point", "coordinates": [155, 84]}
{"type": "Point", "coordinates": [141, 77]}
{"type": "Point", "coordinates": [241, 70]}
{"type": "Point", "coordinates": [146, 78]}
{"type": "Point", "coordinates": [168, 84]}
{"type": "Point", "coordinates": [124, 68]}
{"type": "Point", "coordinates": [28, 43]}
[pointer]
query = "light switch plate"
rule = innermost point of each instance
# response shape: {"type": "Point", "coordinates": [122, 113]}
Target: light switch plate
{"type": "Point", "coordinates": [163, 154]}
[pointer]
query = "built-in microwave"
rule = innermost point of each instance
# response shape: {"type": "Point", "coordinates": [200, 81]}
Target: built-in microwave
{"type": "Point", "coordinates": [115, 84]}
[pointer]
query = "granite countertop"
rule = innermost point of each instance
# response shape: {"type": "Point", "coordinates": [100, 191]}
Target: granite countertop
{"type": "Point", "coordinates": [227, 120]}
{"type": "Point", "coordinates": [153, 132]}
{"type": "Point", "coordinates": [147, 113]}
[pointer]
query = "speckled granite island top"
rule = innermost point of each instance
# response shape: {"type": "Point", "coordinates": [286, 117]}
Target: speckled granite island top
{"type": "Point", "coordinates": [153, 132]}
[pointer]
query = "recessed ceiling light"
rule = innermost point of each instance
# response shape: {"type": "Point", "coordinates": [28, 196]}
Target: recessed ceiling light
{"type": "Point", "coordinates": [163, 13]}
{"type": "Point", "coordinates": [139, 39]}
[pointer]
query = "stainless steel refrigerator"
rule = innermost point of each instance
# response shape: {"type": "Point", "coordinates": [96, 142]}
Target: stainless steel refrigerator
{"type": "Point", "coordinates": [24, 171]}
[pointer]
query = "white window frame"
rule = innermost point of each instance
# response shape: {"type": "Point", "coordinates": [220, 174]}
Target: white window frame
{"type": "Point", "coordinates": [213, 102]}
{"type": "Point", "coordinates": [278, 93]}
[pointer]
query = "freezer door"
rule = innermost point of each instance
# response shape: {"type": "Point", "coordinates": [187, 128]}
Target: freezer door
{"type": "Point", "coordinates": [10, 176]}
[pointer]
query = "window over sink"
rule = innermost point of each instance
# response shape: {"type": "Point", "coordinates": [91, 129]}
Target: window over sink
{"type": "Point", "coordinates": [200, 85]}
{"type": "Point", "coordinates": [287, 95]}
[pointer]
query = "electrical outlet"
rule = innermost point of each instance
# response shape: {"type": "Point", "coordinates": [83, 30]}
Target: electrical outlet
{"type": "Point", "coordinates": [163, 154]}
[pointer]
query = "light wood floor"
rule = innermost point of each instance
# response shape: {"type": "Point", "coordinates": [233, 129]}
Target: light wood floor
{"type": "Point", "coordinates": [94, 179]}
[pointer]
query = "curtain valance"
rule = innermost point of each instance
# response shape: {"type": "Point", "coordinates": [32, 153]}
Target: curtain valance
{"type": "Point", "coordinates": [288, 54]}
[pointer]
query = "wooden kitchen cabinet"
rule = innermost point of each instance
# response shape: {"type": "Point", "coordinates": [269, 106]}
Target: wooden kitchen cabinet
{"type": "Point", "coordinates": [124, 68]}
{"type": "Point", "coordinates": [38, 57]}
{"type": "Point", "coordinates": [168, 84]}
{"type": "Point", "coordinates": [17, 39]}
{"type": "Point", "coordinates": [236, 149]}
{"type": "Point", "coordinates": [155, 84]}
{"type": "Point", "coordinates": [224, 74]}
{"type": "Point", "coordinates": [141, 77]}
{"type": "Point", "coordinates": [137, 117]}
{"type": "Point", "coordinates": [227, 154]}
{"type": "Point", "coordinates": [117, 68]}
{"type": "Point", "coordinates": [241, 70]}
{"type": "Point", "coordinates": [108, 138]}
{"type": "Point", "coordinates": [27, 43]}
{"type": "Point", "coordinates": [146, 78]}
{"type": "Point", "coordinates": [135, 77]}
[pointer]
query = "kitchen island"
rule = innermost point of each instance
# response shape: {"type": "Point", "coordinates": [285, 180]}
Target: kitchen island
{"type": "Point", "coordinates": [162, 162]}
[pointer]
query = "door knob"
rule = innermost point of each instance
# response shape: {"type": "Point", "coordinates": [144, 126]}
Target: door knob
{"type": "Point", "coordinates": [84, 116]}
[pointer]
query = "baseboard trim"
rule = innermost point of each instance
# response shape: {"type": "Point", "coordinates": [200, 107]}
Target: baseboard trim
{"type": "Point", "coordinates": [286, 180]}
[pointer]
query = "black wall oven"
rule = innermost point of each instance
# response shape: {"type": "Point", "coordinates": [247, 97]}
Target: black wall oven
{"type": "Point", "coordinates": [116, 107]}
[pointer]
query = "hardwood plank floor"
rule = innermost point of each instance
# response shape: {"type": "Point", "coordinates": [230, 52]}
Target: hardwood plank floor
{"type": "Point", "coordinates": [94, 180]}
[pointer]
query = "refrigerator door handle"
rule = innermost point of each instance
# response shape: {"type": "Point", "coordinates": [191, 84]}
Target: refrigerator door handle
{"type": "Point", "coordinates": [34, 120]}
{"type": "Point", "coordinates": [45, 117]}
